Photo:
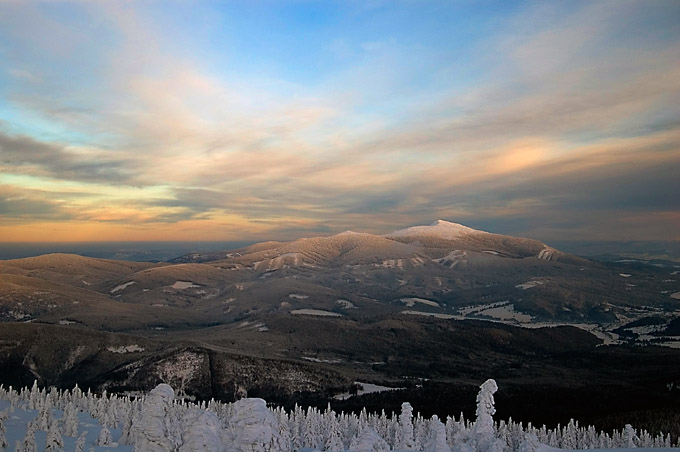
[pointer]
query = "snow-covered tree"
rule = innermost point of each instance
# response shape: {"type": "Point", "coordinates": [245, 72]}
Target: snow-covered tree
{"type": "Point", "coordinates": [3, 431]}
{"type": "Point", "coordinates": [201, 432]}
{"type": "Point", "coordinates": [629, 437]}
{"type": "Point", "coordinates": [126, 431]}
{"type": "Point", "coordinates": [368, 441]}
{"type": "Point", "coordinates": [530, 443]}
{"type": "Point", "coordinates": [333, 440]}
{"type": "Point", "coordinates": [284, 442]}
{"type": "Point", "coordinates": [45, 415]}
{"type": "Point", "coordinates": [29, 441]}
{"type": "Point", "coordinates": [436, 440]}
{"type": "Point", "coordinates": [484, 434]}
{"type": "Point", "coordinates": [104, 438]}
{"type": "Point", "coordinates": [151, 430]}
{"type": "Point", "coordinates": [54, 440]}
{"type": "Point", "coordinates": [34, 396]}
{"type": "Point", "coordinates": [70, 420]}
{"type": "Point", "coordinates": [403, 431]}
{"type": "Point", "coordinates": [80, 442]}
{"type": "Point", "coordinates": [253, 427]}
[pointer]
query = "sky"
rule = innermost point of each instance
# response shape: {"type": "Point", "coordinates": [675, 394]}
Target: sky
{"type": "Point", "coordinates": [256, 120]}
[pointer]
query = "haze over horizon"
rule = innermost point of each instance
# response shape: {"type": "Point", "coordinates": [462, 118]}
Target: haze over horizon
{"type": "Point", "coordinates": [250, 121]}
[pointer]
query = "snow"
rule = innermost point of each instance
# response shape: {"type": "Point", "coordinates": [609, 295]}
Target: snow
{"type": "Point", "coordinates": [285, 260]}
{"type": "Point", "coordinates": [490, 252]}
{"type": "Point", "coordinates": [529, 284]}
{"type": "Point", "coordinates": [410, 302]}
{"type": "Point", "coordinates": [66, 322]}
{"type": "Point", "coordinates": [440, 228]}
{"type": "Point", "coordinates": [625, 275]}
{"type": "Point", "coordinates": [430, 314]}
{"type": "Point", "coordinates": [122, 286]}
{"type": "Point", "coordinates": [366, 388]}
{"type": "Point", "coordinates": [393, 263]}
{"type": "Point", "coordinates": [470, 310]}
{"type": "Point", "coordinates": [320, 360]}
{"type": "Point", "coordinates": [345, 304]}
{"type": "Point", "coordinates": [506, 312]}
{"type": "Point", "coordinates": [298, 296]}
{"type": "Point", "coordinates": [670, 344]}
{"type": "Point", "coordinates": [454, 258]}
{"type": "Point", "coordinates": [126, 349]}
{"type": "Point", "coordinates": [157, 422]}
{"type": "Point", "coordinates": [181, 285]}
{"type": "Point", "coordinates": [676, 295]}
{"type": "Point", "coordinates": [18, 420]}
{"type": "Point", "coordinates": [547, 253]}
{"type": "Point", "coordinates": [317, 312]}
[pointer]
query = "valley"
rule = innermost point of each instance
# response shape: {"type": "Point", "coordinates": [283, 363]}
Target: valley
{"type": "Point", "coordinates": [431, 310]}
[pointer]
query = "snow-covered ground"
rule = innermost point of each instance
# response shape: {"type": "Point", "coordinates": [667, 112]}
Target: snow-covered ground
{"type": "Point", "coordinates": [39, 420]}
{"type": "Point", "coordinates": [365, 388]}
{"type": "Point", "coordinates": [438, 315]}
{"type": "Point", "coordinates": [410, 302]}
{"type": "Point", "coordinates": [126, 349]}
{"type": "Point", "coordinates": [316, 312]}
{"type": "Point", "coordinates": [182, 285]}
{"type": "Point", "coordinates": [122, 286]}
{"type": "Point", "coordinates": [345, 304]}
{"type": "Point", "coordinates": [529, 284]}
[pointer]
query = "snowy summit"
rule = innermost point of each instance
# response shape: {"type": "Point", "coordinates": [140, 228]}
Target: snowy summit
{"type": "Point", "coordinates": [440, 228]}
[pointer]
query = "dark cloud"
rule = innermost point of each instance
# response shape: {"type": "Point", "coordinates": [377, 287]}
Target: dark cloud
{"type": "Point", "coordinates": [25, 155]}
{"type": "Point", "coordinates": [15, 205]}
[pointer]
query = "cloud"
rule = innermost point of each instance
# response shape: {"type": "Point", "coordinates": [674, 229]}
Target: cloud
{"type": "Point", "coordinates": [25, 155]}
{"type": "Point", "coordinates": [19, 206]}
{"type": "Point", "coordinates": [566, 116]}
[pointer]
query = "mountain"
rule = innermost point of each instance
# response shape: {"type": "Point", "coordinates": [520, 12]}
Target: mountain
{"type": "Point", "coordinates": [453, 236]}
{"type": "Point", "coordinates": [445, 270]}
{"type": "Point", "coordinates": [442, 303]}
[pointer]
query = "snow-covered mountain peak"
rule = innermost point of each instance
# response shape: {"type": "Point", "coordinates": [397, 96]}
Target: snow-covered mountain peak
{"type": "Point", "coordinates": [348, 233]}
{"type": "Point", "coordinates": [440, 228]}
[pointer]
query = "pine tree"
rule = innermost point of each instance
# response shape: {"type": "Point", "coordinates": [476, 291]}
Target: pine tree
{"type": "Point", "coordinates": [80, 442]}
{"type": "Point", "coordinates": [436, 439]}
{"type": "Point", "coordinates": [126, 432]}
{"type": "Point", "coordinates": [34, 396]}
{"type": "Point", "coordinates": [404, 436]}
{"type": "Point", "coordinates": [29, 442]}
{"type": "Point", "coordinates": [629, 436]}
{"type": "Point", "coordinates": [45, 415]}
{"type": "Point", "coordinates": [70, 420]}
{"type": "Point", "coordinates": [3, 438]}
{"type": "Point", "coordinates": [333, 441]}
{"type": "Point", "coordinates": [484, 426]}
{"type": "Point", "coordinates": [104, 438]}
{"type": "Point", "coordinates": [54, 440]}
{"type": "Point", "coordinates": [530, 443]}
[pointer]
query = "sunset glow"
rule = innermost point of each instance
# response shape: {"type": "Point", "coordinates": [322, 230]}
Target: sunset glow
{"type": "Point", "coordinates": [126, 121]}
